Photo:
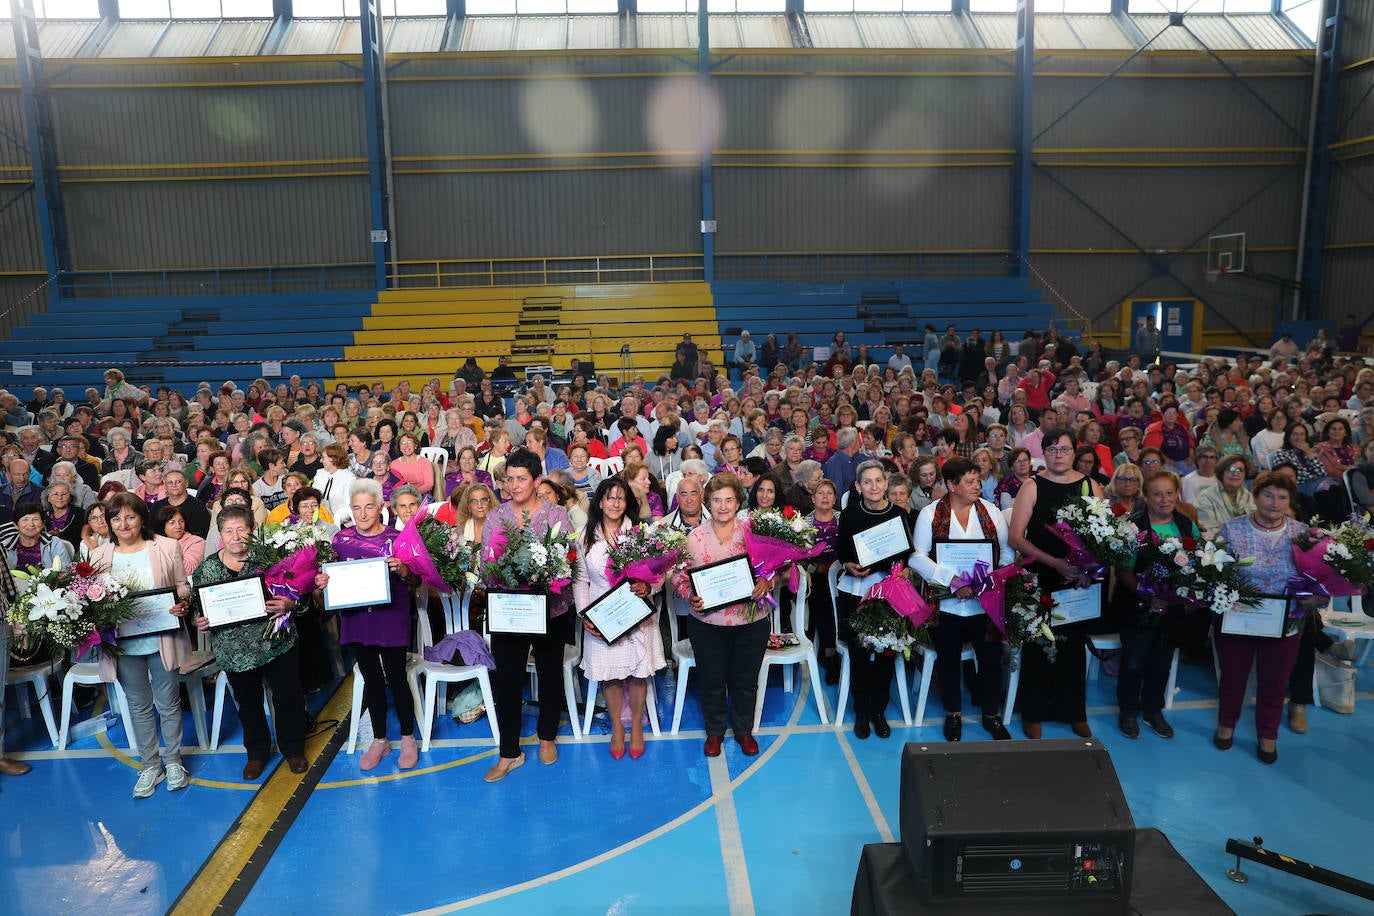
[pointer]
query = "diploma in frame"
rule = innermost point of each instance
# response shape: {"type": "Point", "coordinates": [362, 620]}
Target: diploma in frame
{"type": "Point", "coordinates": [235, 601]}
{"type": "Point", "coordinates": [962, 556]}
{"type": "Point", "coordinates": [722, 583]}
{"type": "Point", "coordinates": [616, 613]}
{"type": "Point", "coordinates": [517, 613]}
{"type": "Point", "coordinates": [1076, 605]}
{"type": "Point", "coordinates": [152, 614]}
{"type": "Point", "coordinates": [882, 543]}
{"type": "Point", "coordinates": [357, 583]}
{"type": "Point", "coordinates": [1265, 620]}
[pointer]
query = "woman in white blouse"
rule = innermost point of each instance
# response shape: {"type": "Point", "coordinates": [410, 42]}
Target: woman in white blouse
{"type": "Point", "coordinates": [962, 515]}
{"type": "Point", "coordinates": [334, 481]}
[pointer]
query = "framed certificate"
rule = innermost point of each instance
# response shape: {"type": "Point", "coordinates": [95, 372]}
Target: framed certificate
{"type": "Point", "coordinates": [152, 614]}
{"type": "Point", "coordinates": [618, 612]}
{"type": "Point", "coordinates": [1266, 619]}
{"type": "Point", "coordinates": [961, 556]}
{"type": "Point", "coordinates": [1076, 605]}
{"type": "Point", "coordinates": [357, 583]}
{"type": "Point", "coordinates": [723, 583]}
{"type": "Point", "coordinates": [517, 613]}
{"type": "Point", "coordinates": [235, 601]}
{"type": "Point", "coordinates": [888, 541]}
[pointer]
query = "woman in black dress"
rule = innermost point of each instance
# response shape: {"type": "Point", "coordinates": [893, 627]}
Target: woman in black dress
{"type": "Point", "coordinates": [1052, 690]}
{"type": "Point", "coordinates": [871, 673]}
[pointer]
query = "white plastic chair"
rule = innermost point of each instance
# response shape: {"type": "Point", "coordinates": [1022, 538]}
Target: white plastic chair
{"type": "Point", "coordinates": [802, 653]}
{"type": "Point", "coordinates": [36, 676]}
{"type": "Point", "coordinates": [432, 674]}
{"type": "Point", "coordinates": [1355, 624]}
{"type": "Point", "coordinates": [683, 655]}
{"type": "Point", "coordinates": [1013, 684]}
{"type": "Point", "coordinates": [670, 484]}
{"type": "Point", "coordinates": [613, 466]}
{"type": "Point", "coordinates": [1105, 642]}
{"type": "Point", "coordinates": [928, 657]}
{"type": "Point", "coordinates": [841, 647]}
{"type": "Point", "coordinates": [651, 705]}
{"type": "Point", "coordinates": [600, 465]}
{"type": "Point", "coordinates": [438, 455]}
{"type": "Point", "coordinates": [572, 654]}
{"type": "Point", "coordinates": [355, 716]}
{"type": "Point", "coordinates": [88, 673]}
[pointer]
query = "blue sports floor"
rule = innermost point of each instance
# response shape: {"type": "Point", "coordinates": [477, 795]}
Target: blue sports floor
{"type": "Point", "coordinates": [670, 833]}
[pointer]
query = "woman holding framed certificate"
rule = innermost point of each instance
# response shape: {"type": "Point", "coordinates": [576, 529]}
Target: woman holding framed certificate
{"type": "Point", "coordinates": [729, 634]}
{"type": "Point", "coordinates": [873, 534]}
{"type": "Point", "coordinates": [1267, 535]}
{"type": "Point", "coordinates": [148, 667]}
{"type": "Point", "coordinates": [1052, 690]}
{"type": "Point", "coordinates": [950, 538]}
{"type": "Point", "coordinates": [378, 633]}
{"type": "Point", "coordinates": [627, 662]}
{"type": "Point", "coordinates": [511, 651]}
{"type": "Point", "coordinates": [245, 654]}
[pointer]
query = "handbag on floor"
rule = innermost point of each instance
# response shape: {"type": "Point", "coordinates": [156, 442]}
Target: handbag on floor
{"type": "Point", "coordinates": [1335, 683]}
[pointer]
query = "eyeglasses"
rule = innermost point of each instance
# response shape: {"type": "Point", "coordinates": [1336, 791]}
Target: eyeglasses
{"type": "Point", "coordinates": [617, 498]}
{"type": "Point", "coordinates": [479, 500]}
{"type": "Point", "coordinates": [1059, 450]}
{"type": "Point", "coordinates": [1150, 462]}
{"type": "Point", "coordinates": [1234, 471]}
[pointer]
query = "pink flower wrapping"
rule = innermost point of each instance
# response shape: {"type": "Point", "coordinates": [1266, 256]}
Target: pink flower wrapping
{"type": "Point", "coordinates": [649, 570]}
{"type": "Point", "coordinates": [410, 548]}
{"type": "Point", "coordinates": [769, 555]}
{"type": "Point", "coordinates": [898, 591]}
{"type": "Point", "coordinates": [1312, 562]}
{"type": "Point", "coordinates": [991, 588]}
{"type": "Point", "coordinates": [294, 575]}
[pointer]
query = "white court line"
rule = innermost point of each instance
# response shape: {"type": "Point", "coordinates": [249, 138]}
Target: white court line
{"type": "Point", "coordinates": [553, 877]}
{"type": "Point", "coordinates": [737, 888]}
{"type": "Point", "coordinates": [864, 788]}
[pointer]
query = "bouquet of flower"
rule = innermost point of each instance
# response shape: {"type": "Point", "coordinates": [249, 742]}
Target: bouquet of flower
{"type": "Point", "coordinates": [290, 555]}
{"type": "Point", "coordinates": [892, 617]}
{"type": "Point", "coordinates": [646, 553]}
{"type": "Point", "coordinates": [1097, 535]}
{"type": "Point", "coordinates": [774, 541]}
{"type": "Point", "coordinates": [1028, 613]}
{"type": "Point", "coordinates": [76, 608]}
{"type": "Point", "coordinates": [1335, 561]}
{"type": "Point", "coordinates": [989, 587]}
{"type": "Point", "coordinates": [1190, 572]}
{"type": "Point", "coordinates": [518, 558]}
{"type": "Point", "coordinates": [436, 553]}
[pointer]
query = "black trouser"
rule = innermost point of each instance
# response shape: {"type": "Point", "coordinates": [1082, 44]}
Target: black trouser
{"type": "Point", "coordinates": [820, 614]}
{"type": "Point", "coordinates": [372, 662]}
{"type": "Point", "coordinates": [728, 661]}
{"type": "Point", "coordinates": [950, 635]}
{"type": "Point", "coordinates": [1147, 654]}
{"type": "Point", "coordinates": [314, 667]}
{"type": "Point", "coordinates": [1314, 640]}
{"type": "Point", "coordinates": [512, 653]}
{"type": "Point", "coordinates": [1055, 691]}
{"type": "Point", "coordinates": [288, 706]}
{"type": "Point", "coordinates": [870, 674]}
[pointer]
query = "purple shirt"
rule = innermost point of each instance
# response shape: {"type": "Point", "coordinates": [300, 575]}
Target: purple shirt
{"type": "Point", "coordinates": [386, 625]}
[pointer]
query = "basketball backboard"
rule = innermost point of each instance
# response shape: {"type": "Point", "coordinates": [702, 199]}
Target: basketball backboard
{"type": "Point", "coordinates": [1225, 255]}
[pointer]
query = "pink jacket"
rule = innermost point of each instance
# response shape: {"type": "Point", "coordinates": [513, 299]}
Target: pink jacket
{"type": "Point", "coordinates": [169, 569]}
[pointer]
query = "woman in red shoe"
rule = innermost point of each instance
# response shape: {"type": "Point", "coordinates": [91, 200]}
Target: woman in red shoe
{"type": "Point", "coordinates": [728, 642]}
{"type": "Point", "coordinates": [379, 634]}
{"type": "Point", "coordinates": [633, 659]}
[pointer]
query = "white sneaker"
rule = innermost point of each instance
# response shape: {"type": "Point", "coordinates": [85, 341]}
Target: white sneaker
{"type": "Point", "coordinates": [148, 780]}
{"type": "Point", "coordinates": [177, 777]}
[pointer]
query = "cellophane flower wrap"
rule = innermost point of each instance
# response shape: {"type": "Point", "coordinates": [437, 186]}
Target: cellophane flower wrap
{"type": "Point", "coordinates": [1029, 612]}
{"type": "Point", "coordinates": [1334, 561]}
{"type": "Point", "coordinates": [645, 553]}
{"type": "Point", "coordinates": [989, 587]}
{"type": "Point", "coordinates": [892, 617]}
{"type": "Point", "coordinates": [290, 555]}
{"type": "Point", "coordinates": [1190, 572]}
{"type": "Point", "coordinates": [75, 608]}
{"type": "Point", "coordinates": [1098, 536]}
{"type": "Point", "coordinates": [436, 553]}
{"type": "Point", "coordinates": [517, 558]}
{"type": "Point", "coordinates": [775, 541]}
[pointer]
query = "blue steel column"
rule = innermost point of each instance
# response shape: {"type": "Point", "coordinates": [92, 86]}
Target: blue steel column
{"type": "Point", "coordinates": [1319, 177]}
{"type": "Point", "coordinates": [52, 221]}
{"type": "Point", "coordinates": [1021, 169]}
{"type": "Point", "coordinates": [373, 76]}
{"type": "Point", "coordinates": [708, 211]}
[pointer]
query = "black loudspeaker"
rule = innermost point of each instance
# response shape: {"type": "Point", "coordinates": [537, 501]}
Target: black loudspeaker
{"type": "Point", "coordinates": [1016, 821]}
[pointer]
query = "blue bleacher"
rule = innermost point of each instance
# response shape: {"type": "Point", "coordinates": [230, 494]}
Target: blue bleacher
{"type": "Point", "coordinates": [193, 338]}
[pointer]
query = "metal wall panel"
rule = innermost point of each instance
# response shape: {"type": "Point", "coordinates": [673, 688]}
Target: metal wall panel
{"type": "Point", "coordinates": [14, 157]}
{"type": "Point", "coordinates": [1101, 32]}
{"type": "Point", "coordinates": [541, 33]}
{"type": "Point", "coordinates": [666, 31]}
{"type": "Point", "coordinates": [410, 35]}
{"type": "Point", "coordinates": [488, 33]}
{"type": "Point", "coordinates": [20, 245]}
{"type": "Point", "coordinates": [239, 38]}
{"type": "Point", "coordinates": [886, 32]}
{"type": "Point", "coordinates": [185, 39]}
{"type": "Point", "coordinates": [594, 32]}
{"type": "Point", "coordinates": [131, 39]}
{"type": "Point", "coordinates": [155, 126]}
{"type": "Point", "coordinates": [933, 30]}
{"type": "Point", "coordinates": [1347, 277]}
{"type": "Point", "coordinates": [312, 36]}
{"type": "Point", "coordinates": [1166, 38]}
{"type": "Point", "coordinates": [862, 209]}
{"type": "Point", "coordinates": [548, 214]}
{"type": "Point", "coordinates": [1351, 203]}
{"type": "Point", "coordinates": [764, 31]}
{"type": "Point", "coordinates": [218, 223]}
{"type": "Point", "coordinates": [1358, 41]}
{"type": "Point", "coordinates": [1263, 32]}
{"type": "Point", "coordinates": [829, 31]}
{"type": "Point", "coordinates": [58, 39]}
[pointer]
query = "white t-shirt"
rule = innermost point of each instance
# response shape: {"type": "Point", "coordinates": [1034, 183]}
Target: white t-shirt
{"type": "Point", "coordinates": [140, 566]}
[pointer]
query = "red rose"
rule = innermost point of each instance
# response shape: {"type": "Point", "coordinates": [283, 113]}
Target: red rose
{"type": "Point", "coordinates": [1189, 544]}
{"type": "Point", "coordinates": [84, 569]}
{"type": "Point", "coordinates": [1118, 509]}
{"type": "Point", "coordinates": [1369, 544]}
{"type": "Point", "coordinates": [1046, 601]}
{"type": "Point", "coordinates": [788, 512]}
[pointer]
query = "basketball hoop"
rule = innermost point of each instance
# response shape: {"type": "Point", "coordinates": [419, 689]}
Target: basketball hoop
{"type": "Point", "coordinates": [1213, 274]}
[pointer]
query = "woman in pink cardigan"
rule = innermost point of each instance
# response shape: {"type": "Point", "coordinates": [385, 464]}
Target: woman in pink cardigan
{"type": "Point", "coordinates": [148, 666]}
{"type": "Point", "coordinates": [412, 467]}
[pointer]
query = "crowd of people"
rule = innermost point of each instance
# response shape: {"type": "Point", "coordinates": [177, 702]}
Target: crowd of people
{"type": "Point", "coordinates": [983, 440]}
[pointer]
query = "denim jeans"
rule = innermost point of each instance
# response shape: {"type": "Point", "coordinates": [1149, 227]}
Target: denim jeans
{"type": "Point", "coordinates": [148, 684]}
